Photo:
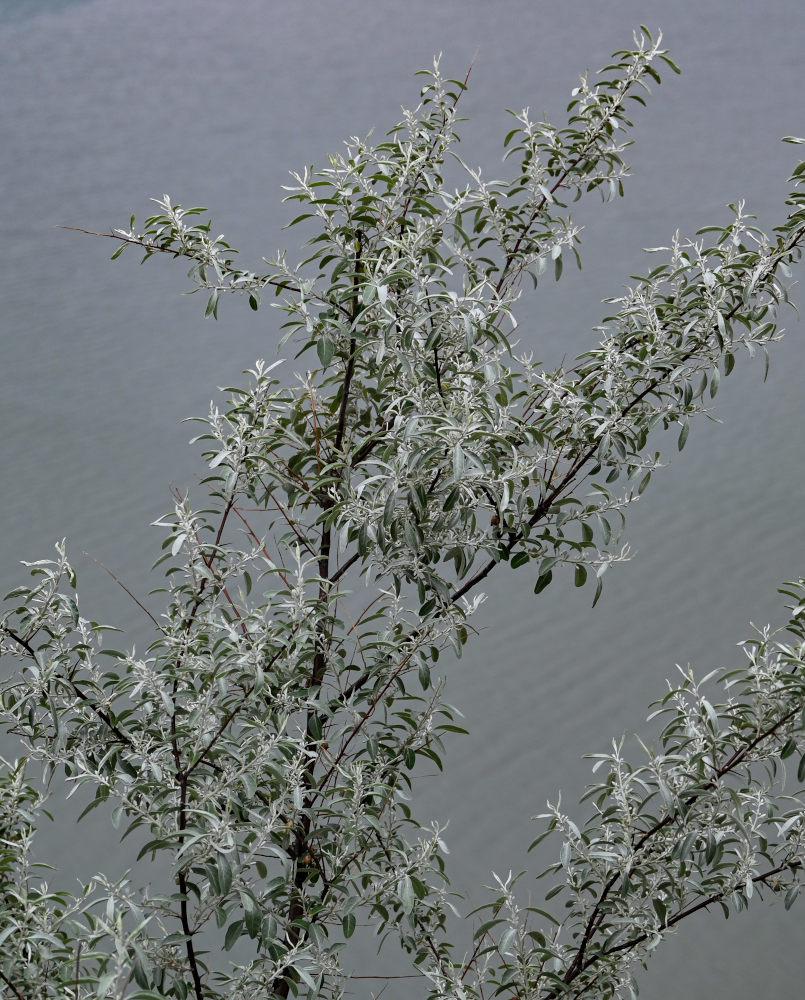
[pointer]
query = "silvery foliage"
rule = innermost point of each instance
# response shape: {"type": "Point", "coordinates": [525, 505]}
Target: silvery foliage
{"type": "Point", "coordinates": [261, 748]}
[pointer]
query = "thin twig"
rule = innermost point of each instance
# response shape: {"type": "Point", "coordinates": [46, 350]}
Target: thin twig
{"type": "Point", "coordinates": [360, 723]}
{"type": "Point", "coordinates": [342, 410]}
{"type": "Point", "coordinates": [262, 547]}
{"type": "Point", "coordinates": [279, 283]}
{"type": "Point", "coordinates": [569, 477]}
{"type": "Point", "coordinates": [291, 523]}
{"type": "Point", "coordinates": [83, 698]}
{"type": "Point", "coordinates": [315, 424]}
{"type": "Point", "coordinates": [676, 918]}
{"type": "Point", "coordinates": [78, 967]}
{"type": "Point", "coordinates": [209, 564]}
{"type": "Point", "coordinates": [594, 921]}
{"type": "Point", "coordinates": [409, 975]}
{"type": "Point", "coordinates": [11, 985]}
{"type": "Point", "coordinates": [120, 583]}
{"type": "Point", "coordinates": [342, 569]}
{"type": "Point", "coordinates": [229, 717]}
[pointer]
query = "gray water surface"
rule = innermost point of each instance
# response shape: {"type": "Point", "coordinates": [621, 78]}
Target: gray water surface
{"type": "Point", "coordinates": [107, 104]}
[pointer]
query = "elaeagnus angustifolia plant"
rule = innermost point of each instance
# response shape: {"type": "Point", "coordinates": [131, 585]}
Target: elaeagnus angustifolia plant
{"type": "Point", "coordinates": [262, 746]}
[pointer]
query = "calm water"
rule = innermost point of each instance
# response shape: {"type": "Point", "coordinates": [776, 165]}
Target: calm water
{"type": "Point", "coordinates": [106, 104]}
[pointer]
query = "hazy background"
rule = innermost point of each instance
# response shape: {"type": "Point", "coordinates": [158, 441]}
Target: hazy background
{"type": "Point", "coordinates": [106, 104]}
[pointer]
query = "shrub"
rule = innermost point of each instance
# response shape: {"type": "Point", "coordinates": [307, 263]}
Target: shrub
{"type": "Point", "coordinates": [264, 742]}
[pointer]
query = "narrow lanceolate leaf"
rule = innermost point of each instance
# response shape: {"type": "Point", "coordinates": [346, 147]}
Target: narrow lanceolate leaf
{"type": "Point", "coordinates": [683, 435]}
{"type": "Point", "coordinates": [405, 890]}
{"type": "Point", "coordinates": [325, 349]}
{"type": "Point", "coordinates": [458, 461]}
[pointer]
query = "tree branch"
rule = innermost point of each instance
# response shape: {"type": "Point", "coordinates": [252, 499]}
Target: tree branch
{"type": "Point", "coordinates": [104, 716]}
{"type": "Point", "coordinates": [596, 916]}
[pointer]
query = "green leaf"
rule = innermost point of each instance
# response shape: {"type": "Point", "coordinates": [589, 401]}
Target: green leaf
{"type": "Point", "coordinates": [458, 461]}
{"type": "Point", "coordinates": [233, 932]}
{"type": "Point", "coordinates": [715, 379]}
{"type": "Point", "coordinates": [801, 769]}
{"type": "Point", "coordinates": [487, 925]}
{"type": "Point", "coordinates": [253, 917]}
{"type": "Point", "coordinates": [722, 329]}
{"type": "Point", "coordinates": [580, 575]}
{"type": "Point", "coordinates": [104, 983]}
{"type": "Point", "coordinates": [299, 218]}
{"type": "Point", "coordinates": [306, 977]}
{"type": "Point", "coordinates": [683, 434]}
{"type": "Point", "coordinates": [325, 349]}
{"type": "Point", "coordinates": [405, 892]}
{"type": "Point", "coordinates": [314, 727]}
{"type": "Point", "coordinates": [348, 923]}
{"type": "Point", "coordinates": [557, 268]}
{"type": "Point", "coordinates": [547, 564]}
{"type": "Point", "coordinates": [141, 968]}
{"type": "Point", "coordinates": [224, 874]}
